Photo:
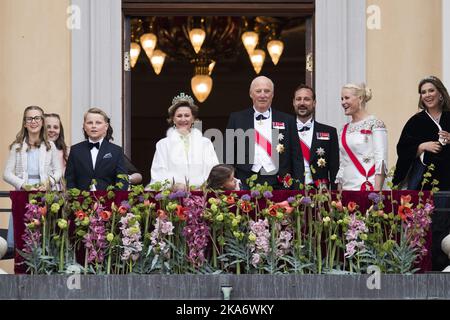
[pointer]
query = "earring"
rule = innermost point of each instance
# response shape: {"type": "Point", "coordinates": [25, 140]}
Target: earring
{"type": "Point", "coordinates": [441, 98]}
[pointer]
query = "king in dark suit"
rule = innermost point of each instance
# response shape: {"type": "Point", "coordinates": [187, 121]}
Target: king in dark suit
{"type": "Point", "coordinates": [319, 142]}
{"type": "Point", "coordinates": [263, 140]}
{"type": "Point", "coordinates": [95, 158]}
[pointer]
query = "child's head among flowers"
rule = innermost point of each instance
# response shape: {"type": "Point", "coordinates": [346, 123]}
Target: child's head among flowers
{"type": "Point", "coordinates": [222, 177]}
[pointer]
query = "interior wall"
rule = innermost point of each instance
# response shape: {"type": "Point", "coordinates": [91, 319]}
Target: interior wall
{"type": "Point", "coordinates": [406, 48]}
{"type": "Point", "coordinates": [35, 70]}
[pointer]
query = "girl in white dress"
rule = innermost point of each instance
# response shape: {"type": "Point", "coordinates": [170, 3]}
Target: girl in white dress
{"type": "Point", "coordinates": [362, 143]}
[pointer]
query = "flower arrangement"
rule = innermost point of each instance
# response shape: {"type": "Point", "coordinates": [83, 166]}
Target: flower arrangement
{"type": "Point", "coordinates": [161, 231]}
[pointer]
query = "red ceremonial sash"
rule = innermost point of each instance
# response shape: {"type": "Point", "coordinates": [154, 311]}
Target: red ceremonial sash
{"type": "Point", "coordinates": [263, 143]}
{"type": "Point", "coordinates": [366, 185]}
{"type": "Point", "coordinates": [305, 150]}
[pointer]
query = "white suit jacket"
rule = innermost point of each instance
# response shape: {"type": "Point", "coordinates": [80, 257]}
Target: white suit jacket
{"type": "Point", "coordinates": [16, 170]}
{"type": "Point", "coordinates": [171, 162]}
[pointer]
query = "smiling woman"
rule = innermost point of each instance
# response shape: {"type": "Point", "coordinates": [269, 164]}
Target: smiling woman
{"type": "Point", "coordinates": [33, 160]}
{"type": "Point", "coordinates": [424, 139]}
{"type": "Point", "coordinates": [55, 133]}
{"type": "Point", "coordinates": [363, 143]}
{"type": "Point", "coordinates": [184, 158]}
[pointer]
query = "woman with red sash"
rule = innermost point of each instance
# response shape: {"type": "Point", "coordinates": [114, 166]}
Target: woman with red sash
{"type": "Point", "coordinates": [362, 143]}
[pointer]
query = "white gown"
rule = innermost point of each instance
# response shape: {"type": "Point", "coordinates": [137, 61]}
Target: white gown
{"type": "Point", "coordinates": [172, 162]}
{"type": "Point", "coordinates": [367, 139]}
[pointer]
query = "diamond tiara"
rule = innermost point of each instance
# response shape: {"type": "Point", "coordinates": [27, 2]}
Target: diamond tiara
{"type": "Point", "coordinates": [183, 97]}
{"type": "Point", "coordinates": [429, 78]}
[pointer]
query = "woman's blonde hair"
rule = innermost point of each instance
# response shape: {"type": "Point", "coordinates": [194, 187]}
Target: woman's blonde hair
{"type": "Point", "coordinates": [360, 90]}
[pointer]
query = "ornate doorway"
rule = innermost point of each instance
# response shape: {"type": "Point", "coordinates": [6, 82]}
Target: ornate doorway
{"type": "Point", "coordinates": [147, 95]}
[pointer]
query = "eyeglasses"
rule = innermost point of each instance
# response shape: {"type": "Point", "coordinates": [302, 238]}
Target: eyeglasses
{"type": "Point", "coordinates": [30, 119]}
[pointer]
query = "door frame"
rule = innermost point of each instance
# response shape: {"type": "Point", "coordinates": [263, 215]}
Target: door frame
{"type": "Point", "coordinates": [130, 8]}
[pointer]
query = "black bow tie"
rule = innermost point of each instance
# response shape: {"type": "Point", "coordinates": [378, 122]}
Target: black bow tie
{"type": "Point", "coordinates": [261, 117]}
{"type": "Point", "coordinates": [92, 145]}
{"type": "Point", "coordinates": [305, 128]}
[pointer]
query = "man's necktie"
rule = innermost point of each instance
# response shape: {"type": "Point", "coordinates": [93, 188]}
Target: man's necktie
{"type": "Point", "coordinates": [92, 145]}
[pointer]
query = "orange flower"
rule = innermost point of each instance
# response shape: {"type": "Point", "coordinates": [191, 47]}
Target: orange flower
{"type": "Point", "coordinates": [273, 210]}
{"type": "Point", "coordinates": [122, 210]}
{"type": "Point", "coordinates": [161, 214]}
{"type": "Point", "coordinates": [181, 212]}
{"type": "Point", "coordinates": [351, 206]}
{"type": "Point", "coordinates": [80, 215]}
{"type": "Point", "coordinates": [246, 206]}
{"type": "Point", "coordinates": [404, 212]}
{"type": "Point", "coordinates": [43, 211]}
{"type": "Point", "coordinates": [230, 200]}
{"type": "Point", "coordinates": [285, 206]}
{"type": "Point", "coordinates": [404, 200]}
{"type": "Point", "coordinates": [146, 202]}
{"type": "Point", "coordinates": [337, 205]}
{"type": "Point", "coordinates": [105, 215]}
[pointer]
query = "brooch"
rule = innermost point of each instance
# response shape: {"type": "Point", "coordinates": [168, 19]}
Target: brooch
{"type": "Point", "coordinates": [321, 163]}
{"type": "Point", "coordinates": [320, 152]}
{"type": "Point", "coordinates": [280, 148]}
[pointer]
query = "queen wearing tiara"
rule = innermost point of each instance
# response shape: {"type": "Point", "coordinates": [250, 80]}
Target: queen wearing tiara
{"type": "Point", "coordinates": [184, 157]}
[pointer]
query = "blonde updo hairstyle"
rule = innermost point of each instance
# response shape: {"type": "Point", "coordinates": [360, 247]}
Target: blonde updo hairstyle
{"type": "Point", "coordinates": [361, 91]}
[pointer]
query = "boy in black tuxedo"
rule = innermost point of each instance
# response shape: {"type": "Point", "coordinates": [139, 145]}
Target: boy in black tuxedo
{"type": "Point", "coordinates": [268, 143]}
{"type": "Point", "coordinates": [95, 158]}
{"type": "Point", "coordinates": [319, 142]}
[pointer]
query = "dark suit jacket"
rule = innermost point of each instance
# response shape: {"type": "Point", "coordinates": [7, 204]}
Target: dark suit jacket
{"type": "Point", "coordinates": [331, 155]}
{"type": "Point", "coordinates": [290, 160]}
{"type": "Point", "coordinates": [109, 163]}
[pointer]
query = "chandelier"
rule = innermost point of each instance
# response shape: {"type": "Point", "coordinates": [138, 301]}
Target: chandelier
{"type": "Point", "coordinates": [205, 41]}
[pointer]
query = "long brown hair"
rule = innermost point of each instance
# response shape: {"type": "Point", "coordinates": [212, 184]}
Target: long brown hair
{"type": "Point", "coordinates": [445, 102]}
{"type": "Point", "coordinates": [23, 133]}
{"type": "Point", "coordinates": [59, 143]}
